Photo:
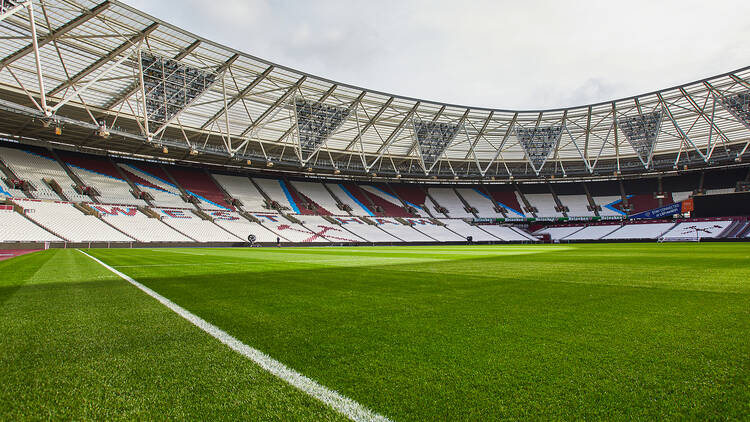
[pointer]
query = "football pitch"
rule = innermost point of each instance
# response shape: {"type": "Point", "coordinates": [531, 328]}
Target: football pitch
{"type": "Point", "coordinates": [597, 331]}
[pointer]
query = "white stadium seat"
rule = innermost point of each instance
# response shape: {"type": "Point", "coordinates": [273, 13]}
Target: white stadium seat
{"type": "Point", "coordinates": [64, 220]}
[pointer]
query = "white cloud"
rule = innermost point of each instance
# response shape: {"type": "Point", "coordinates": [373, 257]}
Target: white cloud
{"type": "Point", "coordinates": [505, 54]}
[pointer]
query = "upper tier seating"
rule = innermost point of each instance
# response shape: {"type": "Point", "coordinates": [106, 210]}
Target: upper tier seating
{"type": "Point", "coordinates": [8, 192]}
{"type": "Point", "coordinates": [697, 229]}
{"type": "Point", "coordinates": [465, 230]}
{"type": "Point", "coordinates": [577, 205]}
{"type": "Point", "coordinates": [608, 206]}
{"type": "Point", "coordinates": [639, 231]}
{"type": "Point", "coordinates": [348, 198]}
{"type": "Point", "coordinates": [508, 234]}
{"type": "Point", "coordinates": [593, 232]}
{"type": "Point", "coordinates": [138, 225]}
{"type": "Point", "coordinates": [64, 220]}
{"type": "Point", "coordinates": [288, 231]}
{"type": "Point", "coordinates": [332, 232]}
{"type": "Point", "coordinates": [100, 174]}
{"type": "Point", "coordinates": [484, 205]}
{"type": "Point", "coordinates": [33, 167]}
{"type": "Point", "coordinates": [365, 231]}
{"type": "Point", "coordinates": [318, 193]}
{"type": "Point", "coordinates": [507, 197]}
{"type": "Point", "coordinates": [435, 231]}
{"type": "Point", "coordinates": [544, 203]}
{"type": "Point", "coordinates": [184, 221]}
{"type": "Point", "coordinates": [381, 196]}
{"type": "Point", "coordinates": [400, 231]}
{"type": "Point", "coordinates": [164, 193]}
{"type": "Point", "coordinates": [16, 228]}
{"type": "Point", "coordinates": [558, 233]}
{"type": "Point", "coordinates": [447, 198]}
{"type": "Point", "coordinates": [306, 205]}
{"type": "Point", "coordinates": [277, 191]}
{"type": "Point", "coordinates": [199, 184]}
{"type": "Point", "coordinates": [240, 226]}
{"type": "Point", "coordinates": [413, 196]}
{"type": "Point", "coordinates": [242, 188]}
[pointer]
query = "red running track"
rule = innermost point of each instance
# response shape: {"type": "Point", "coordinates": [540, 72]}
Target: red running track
{"type": "Point", "coordinates": [12, 253]}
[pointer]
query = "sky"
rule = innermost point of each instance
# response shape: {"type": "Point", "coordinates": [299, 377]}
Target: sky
{"type": "Point", "coordinates": [529, 54]}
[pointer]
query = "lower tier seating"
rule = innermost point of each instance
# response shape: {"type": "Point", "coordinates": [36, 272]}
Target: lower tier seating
{"type": "Point", "coordinates": [433, 230]}
{"type": "Point", "coordinates": [64, 220]}
{"type": "Point", "coordinates": [557, 233]}
{"type": "Point", "coordinates": [288, 231]}
{"type": "Point", "coordinates": [366, 231]}
{"type": "Point", "coordinates": [401, 231]}
{"type": "Point", "coordinates": [508, 234]}
{"type": "Point", "coordinates": [639, 231]}
{"type": "Point", "coordinates": [16, 228]}
{"type": "Point", "coordinates": [191, 225]}
{"type": "Point", "coordinates": [465, 230]}
{"type": "Point", "coordinates": [138, 225]}
{"type": "Point", "coordinates": [240, 226]}
{"type": "Point", "coordinates": [330, 231]}
{"type": "Point", "coordinates": [697, 230]}
{"type": "Point", "coordinates": [593, 232]}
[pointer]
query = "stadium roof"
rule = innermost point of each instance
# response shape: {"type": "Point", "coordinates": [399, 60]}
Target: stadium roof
{"type": "Point", "coordinates": [155, 85]}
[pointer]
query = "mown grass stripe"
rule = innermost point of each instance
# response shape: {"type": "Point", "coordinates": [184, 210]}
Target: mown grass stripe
{"type": "Point", "coordinates": [341, 404]}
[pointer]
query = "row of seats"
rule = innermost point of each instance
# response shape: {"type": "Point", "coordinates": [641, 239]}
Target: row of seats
{"type": "Point", "coordinates": [638, 231]}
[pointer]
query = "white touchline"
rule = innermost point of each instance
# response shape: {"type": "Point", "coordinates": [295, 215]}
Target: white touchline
{"type": "Point", "coordinates": [344, 405]}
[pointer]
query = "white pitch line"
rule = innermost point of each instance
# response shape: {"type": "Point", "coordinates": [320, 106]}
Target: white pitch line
{"type": "Point", "coordinates": [343, 405]}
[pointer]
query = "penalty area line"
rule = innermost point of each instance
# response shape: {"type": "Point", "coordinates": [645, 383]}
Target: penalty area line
{"type": "Point", "coordinates": [341, 404]}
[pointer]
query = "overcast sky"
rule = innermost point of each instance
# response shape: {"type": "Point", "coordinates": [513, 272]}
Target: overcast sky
{"type": "Point", "coordinates": [502, 54]}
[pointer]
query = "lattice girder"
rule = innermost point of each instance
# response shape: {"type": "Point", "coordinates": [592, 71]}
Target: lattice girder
{"type": "Point", "coordinates": [642, 131]}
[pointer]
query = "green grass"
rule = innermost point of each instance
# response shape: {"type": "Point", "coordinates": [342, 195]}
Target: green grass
{"type": "Point", "coordinates": [627, 331]}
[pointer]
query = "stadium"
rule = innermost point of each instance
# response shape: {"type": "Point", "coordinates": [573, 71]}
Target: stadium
{"type": "Point", "coordinates": [192, 232]}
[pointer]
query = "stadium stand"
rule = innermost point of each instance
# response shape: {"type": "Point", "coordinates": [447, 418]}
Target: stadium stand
{"type": "Point", "coordinates": [507, 197]}
{"type": "Point", "coordinates": [277, 191]}
{"type": "Point", "coordinates": [381, 196]}
{"type": "Point", "coordinates": [242, 189]}
{"type": "Point", "coordinates": [448, 199]}
{"type": "Point", "coordinates": [99, 173]}
{"type": "Point", "coordinates": [67, 222]}
{"type": "Point", "coordinates": [484, 205]}
{"type": "Point", "coordinates": [347, 197]}
{"type": "Point", "coordinates": [404, 232]}
{"type": "Point", "coordinates": [240, 226]}
{"type": "Point", "coordinates": [578, 205]}
{"type": "Point", "coordinates": [558, 233]}
{"type": "Point", "coordinates": [465, 230]}
{"type": "Point", "coordinates": [14, 227]}
{"type": "Point", "coordinates": [508, 234]}
{"type": "Point", "coordinates": [544, 203]}
{"type": "Point", "coordinates": [697, 230]}
{"type": "Point", "coordinates": [609, 206]}
{"type": "Point", "coordinates": [593, 232]}
{"type": "Point", "coordinates": [413, 196]}
{"type": "Point", "coordinates": [306, 205]}
{"type": "Point", "coordinates": [318, 193]}
{"type": "Point", "coordinates": [196, 228]}
{"type": "Point", "coordinates": [199, 184]}
{"type": "Point", "coordinates": [138, 225]}
{"type": "Point", "coordinates": [287, 230]}
{"type": "Point", "coordinates": [164, 194]}
{"type": "Point", "coordinates": [34, 167]}
{"type": "Point", "coordinates": [368, 232]}
{"type": "Point", "coordinates": [639, 231]}
{"type": "Point", "coordinates": [333, 232]}
{"type": "Point", "coordinates": [433, 230]}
